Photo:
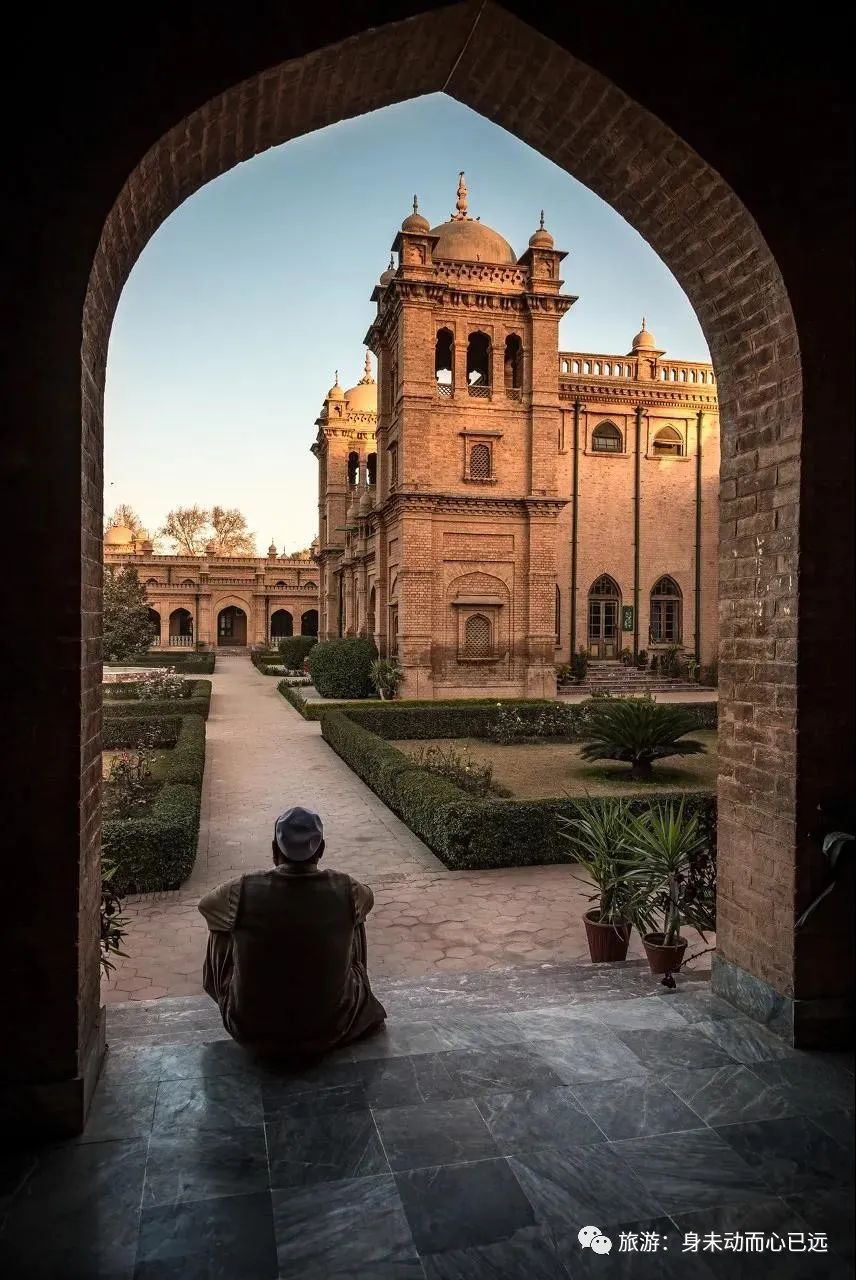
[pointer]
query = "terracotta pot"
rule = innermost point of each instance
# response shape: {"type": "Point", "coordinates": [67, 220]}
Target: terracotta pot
{"type": "Point", "coordinates": [606, 941]}
{"type": "Point", "coordinates": [663, 959]}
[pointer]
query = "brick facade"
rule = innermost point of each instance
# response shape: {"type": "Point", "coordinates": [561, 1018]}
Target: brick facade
{"type": "Point", "coordinates": [741, 184]}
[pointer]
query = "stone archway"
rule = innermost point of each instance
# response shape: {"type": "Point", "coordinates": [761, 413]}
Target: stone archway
{"type": "Point", "coordinates": [780, 497]}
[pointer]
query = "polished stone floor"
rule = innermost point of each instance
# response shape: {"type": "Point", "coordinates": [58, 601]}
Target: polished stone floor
{"type": "Point", "coordinates": [499, 1114]}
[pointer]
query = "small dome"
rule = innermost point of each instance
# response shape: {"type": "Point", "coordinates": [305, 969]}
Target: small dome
{"type": "Point", "coordinates": [541, 238]}
{"type": "Point", "coordinates": [414, 221]}
{"type": "Point", "coordinates": [272, 551]}
{"type": "Point", "coordinates": [365, 503]}
{"type": "Point", "coordinates": [335, 392]}
{"type": "Point", "coordinates": [353, 511]}
{"type": "Point", "coordinates": [470, 241]}
{"type": "Point", "coordinates": [120, 535]}
{"type": "Point", "coordinates": [363, 397]}
{"type": "Point", "coordinates": [644, 339]}
{"type": "Point", "coordinates": [389, 274]}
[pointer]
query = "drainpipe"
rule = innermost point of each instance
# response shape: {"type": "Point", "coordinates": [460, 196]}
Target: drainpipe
{"type": "Point", "coordinates": [574, 515]}
{"type": "Point", "coordinates": [637, 462]}
{"type": "Point", "coordinates": [699, 417]}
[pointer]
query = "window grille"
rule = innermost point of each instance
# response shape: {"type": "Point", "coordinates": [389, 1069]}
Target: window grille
{"type": "Point", "coordinates": [477, 637]}
{"type": "Point", "coordinates": [480, 462]}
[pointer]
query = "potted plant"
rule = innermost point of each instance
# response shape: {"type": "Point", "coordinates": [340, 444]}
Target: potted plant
{"type": "Point", "coordinates": [598, 837]}
{"type": "Point", "coordinates": [664, 847]}
{"type": "Point", "coordinates": [386, 677]}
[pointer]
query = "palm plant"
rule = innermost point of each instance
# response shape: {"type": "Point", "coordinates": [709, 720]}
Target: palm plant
{"type": "Point", "coordinates": [598, 837]}
{"type": "Point", "coordinates": [664, 846]}
{"type": "Point", "coordinates": [637, 730]}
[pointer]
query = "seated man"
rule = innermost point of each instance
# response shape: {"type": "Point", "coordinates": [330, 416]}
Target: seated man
{"type": "Point", "coordinates": [286, 958]}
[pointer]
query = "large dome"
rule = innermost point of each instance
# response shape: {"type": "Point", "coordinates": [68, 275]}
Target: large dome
{"type": "Point", "coordinates": [644, 339]}
{"type": "Point", "coordinates": [469, 241]}
{"type": "Point", "coordinates": [362, 398]}
{"type": "Point", "coordinates": [120, 535]}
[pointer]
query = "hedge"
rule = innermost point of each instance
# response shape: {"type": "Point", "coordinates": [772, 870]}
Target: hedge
{"type": "Point", "coordinates": [198, 704]}
{"type": "Point", "coordinates": [156, 850]}
{"type": "Point", "coordinates": [293, 649]}
{"type": "Point", "coordinates": [468, 833]}
{"type": "Point", "coordinates": [129, 690]}
{"type": "Point", "coordinates": [340, 668]}
{"type": "Point", "coordinates": [185, 663]}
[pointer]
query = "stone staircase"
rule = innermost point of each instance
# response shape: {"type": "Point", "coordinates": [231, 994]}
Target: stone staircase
{"type": "Point", "coordinates": [612, 676]}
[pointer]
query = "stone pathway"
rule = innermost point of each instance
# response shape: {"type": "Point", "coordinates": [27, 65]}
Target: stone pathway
{"type": "Point", "coordinates": [261, 757]}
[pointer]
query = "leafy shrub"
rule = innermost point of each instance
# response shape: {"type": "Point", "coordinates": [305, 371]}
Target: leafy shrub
{"type": "Point", "coordinates": [293, 650]}
{"type": "Point", "coordinates": [186, 761]}
{"type": "Point", "coordinates": [113, 923]}
{"type": "Point", "coordinates": [641, 659]}
{"type": "Point", "coordinates": [670, 660]}
{"type": "Point", "coordinates": [128, 626]}
{"type": "Point", "coordinates": [517, 723]}
{"type": "Point", "coordinates": [564, 673]}
{"type": "Point", "coordinates": [466, 831]}
{"type": "Point", "coordinates": [198, 702]}
{"type": "Point", "coordinates": [638, 731]}
{"type": "Point", "coordinates": [191, 664]}
{"type": "Point", "coordinates": [457, 766]}
{"type": "Point", "coordinates": [129, 784]}
{"type": "Point", "coordinates": [580, 663]}
{"type": "Point", "coordinates": [671, 870]}
{"type": "Point", "coordinates": [341, 668]}
{"type": "Point", "coordinates": [597, 837]}
{"type": "Point", "coordinates": [157, 686]}
{"type": "Point", "coordinates": [386, 677]}
{"type": "Point", "coordinates": [292, 695]}
{"type": "Point", "coordinates": [626, 656]}
{"type": "Point", "coordinates": [133, 731]}
{"type": "Point", "coordinates": [155, 850]}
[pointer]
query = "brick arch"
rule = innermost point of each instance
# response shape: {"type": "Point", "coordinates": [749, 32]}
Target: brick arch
{"type": "Point", "coordinates": [694, 220]}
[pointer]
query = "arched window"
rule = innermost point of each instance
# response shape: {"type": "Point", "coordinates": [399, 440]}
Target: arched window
{"type": "Point", "coordinates": [575, 366]}
{"type": "Point", "coordinates": [513, 364]}
{"type": "Point", "coordinates": [353, 468]}
{"type": "Point", "coordinates": [477, 636]}
{"type": "Point", "coordinates": [313, 585]}
{"type": "Point", "coordinates": [181, 628]}
{"type": "Point", "coordinates": [566, 368]}
{"type": "Point", "coordinates": [668, 443]}
{"type": "Point", "coordinates": [478, 364]}
{"type": "Point", "coordinates": [444, 360]}
{"type": "Point", "coordinates": [604, 602]}
{"type": "Point", "coordinates": [666, 620]}
{"type": "Point", "coordinates": [598, 368]}
{"type": "Point", "coordinates": [606, 438]}
{"type": "Point", "coordinates": [152, 582]}
{"type": "Point", "coordinates": [188, 582]}
{"type": "Point", "coordinates": [371, 469]}
{"type": "Point", "coordinates": [155, 621]}
{"type": "Point", "coordinates": [481, 463]}
{"type": "Point", "coordinates": [586, 366]}
{"type": "Point", "coordinates": [280, 586]}
{"type": "Point", "coordinates": [309, 623]}
{"type": "Point", "coordinates": [281, 625]}
{"type": "Point", "coordinates": [607, 369]}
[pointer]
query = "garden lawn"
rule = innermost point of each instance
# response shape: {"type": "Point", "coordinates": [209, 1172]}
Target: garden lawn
{"type": "Point", "coordinates": [542, 770]}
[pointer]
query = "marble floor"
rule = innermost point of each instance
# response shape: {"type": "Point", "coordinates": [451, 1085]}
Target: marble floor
{"type": "Point", "coordinates": [498, 1114]}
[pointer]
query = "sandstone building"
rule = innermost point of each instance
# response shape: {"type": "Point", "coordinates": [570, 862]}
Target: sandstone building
{"type": "Point", "coordinates": [220, 601]}
{"type": "Point", "coordinates": [492, 504]}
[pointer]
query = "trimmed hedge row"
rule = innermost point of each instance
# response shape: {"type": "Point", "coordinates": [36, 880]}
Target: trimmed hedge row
{"type": "Point", "coordinates": [190, 664]}
{"type": "Point", "coordinates": [340, 668]}
{"type": "Point", "coordinates": [156, 850]}
{"type": "Point", "coordinates": [129, 690]}
{"type": "Point", "coordinates": [198, 704]}
{"type": "Point", "coordinates": [468, 833]}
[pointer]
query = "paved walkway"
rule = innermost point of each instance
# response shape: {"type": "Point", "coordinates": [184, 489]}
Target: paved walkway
{"type": "Point", "coordinates": [261, 757]}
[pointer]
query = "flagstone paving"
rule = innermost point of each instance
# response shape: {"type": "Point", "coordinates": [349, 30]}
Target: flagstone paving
{"type": "Point", "coordinates": [261, 757]}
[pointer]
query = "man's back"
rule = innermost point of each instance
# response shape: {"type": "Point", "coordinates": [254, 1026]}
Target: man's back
{"type": "Point", "coordinates": [294, 972]}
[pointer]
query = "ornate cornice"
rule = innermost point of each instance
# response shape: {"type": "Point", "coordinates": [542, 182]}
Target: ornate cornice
{"type": "Point", "coordinates": [399, 504]}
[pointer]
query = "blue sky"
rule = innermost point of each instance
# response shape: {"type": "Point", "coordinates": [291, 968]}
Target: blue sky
{"type": "Point", "coordinates": [257, 288]}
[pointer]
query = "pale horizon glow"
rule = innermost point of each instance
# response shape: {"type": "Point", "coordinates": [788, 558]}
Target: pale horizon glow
{"type": "Point", "coordinates": [257, 288]}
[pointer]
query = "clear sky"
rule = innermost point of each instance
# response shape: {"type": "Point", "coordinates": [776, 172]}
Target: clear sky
{"type": "Point", "coordinates": [257, 288]}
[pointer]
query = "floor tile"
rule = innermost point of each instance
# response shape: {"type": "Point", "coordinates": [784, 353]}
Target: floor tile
{"type": "Point", "coordinates": [463, 1206]}
{"type": "Point", "coordinates": [839, 1125]}
{"type": "Point", "coordinates": [792, 1155]}
{"type": "Point", "coordinates": [212, 1102]}
{"type": "Point", "coordinates": [356, 1228]}
{"type": "Point", "coordinates": [77, 1214]}
{"type": "Point", "coordinates": [832, 1212]}
{"type": "Point", "coordinates": [198, 1164]}
{"type": "Point", "coordinates": [309, 1149]}
{"type": "Point", "coordinates": [476, 1031]}
{"type": "Point", "coordinates": [128, 1065]}
{"type": "Point", "coordinates": [434, 1133]}
{"type": "Point", "coordinates": [644, 1013]}
{"type": "Point", "coordinates": [476, 1071]}
{"type": "Point", "coordinates": [404, 1082]}
{"type": "Point", "coordinates": [695, 1170]}
{"type": "Point", "coordinates": [809, 1082]}
{"type": "Point", "coordinates": [217, 1058]}
{"type": "Point", "coordinates": [745, 1041]}
{"type": "Point", "coordinates": [530, 1255]}
{"type": "Point", "coordinates": [727, 1095]}
{"type": "Point", "coordinates": [225, 1239]}
{"type": "Point", "coordinates": [635, 1108]}
{"type": "Point", "coordinates": [344, 1097]}
{"type": "Point", "coordinates": [284, 1089]}
{"type": "Point", "coordinates": [674, 1048]}
{"type": "Point", "coordinates": [120, 1110]}
{"type": "Point", "coordinates": [569, 1189]}
{"type": "Point", "coordinates": [527, 1119]}
{"type": "Point", "coordinates": [554, 1021]}
{"type": "Point", "coordinates": [399, 1039]}
{"type": "Point", "coordinates": [600, 1055]}
{"type": "Point", "coordinates": [695, 1006]}
{"type": "Point", "coordinates": [774, 1219]}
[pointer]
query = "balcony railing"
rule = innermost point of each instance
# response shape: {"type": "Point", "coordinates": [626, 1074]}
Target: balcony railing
{"type": "Point", "coordinates": [445, 390]}
{"type": "Point", "coordinates": [181, 642]}
{"type": "Point", "coordinates": [481, 391]}
{"type": "Point", "coordinates": [514, 393]}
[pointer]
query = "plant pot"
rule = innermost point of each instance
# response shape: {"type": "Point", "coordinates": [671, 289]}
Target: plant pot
{"type": "Point", "coordinates": [606, 941]}
{"type": "Point", "coordinates": [662, 959]}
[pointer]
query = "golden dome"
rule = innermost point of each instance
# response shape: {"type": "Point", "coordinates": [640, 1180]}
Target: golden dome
{"type": "Point", "coordinates": [414, 221]}
{"type": "Point", "coordinates": [464, 239]}
{"type": "Point", "coordinates": [644, 339]}
{"type": "Point", "coordinates": [363, 397]}
{"type": "Point", "coordinates": [541, 238]}
{"type": "Point", "coordinates": [120, 535]}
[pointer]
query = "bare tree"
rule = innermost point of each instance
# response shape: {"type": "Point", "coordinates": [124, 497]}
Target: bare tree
{"type": "Point", "coordinates": [189, 528]}
{"type": "Point", "coordinates": [126, 516]}
{"type": "Point", "coordinates": [300, 555]}
{"type": "Point", "coordinates": [231, 536]}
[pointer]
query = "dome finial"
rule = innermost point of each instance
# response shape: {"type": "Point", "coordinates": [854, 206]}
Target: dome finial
{"type": "Point", "coordinates": [336, 379]}
{"type": "Point", "coordinates": [391, 266]}
{"type": "Point", "coordinates": [367, 371]}
{"type": "Point", "coordinates": [541, 223]}
{"type": "Point", "coordinates": [415, 204]}
{"type": "Point", "coordinates": [644, 325]}
{"type": "Point", "coordinates": [461, 204]}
